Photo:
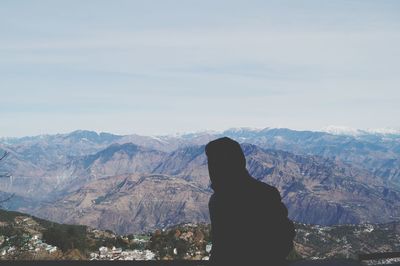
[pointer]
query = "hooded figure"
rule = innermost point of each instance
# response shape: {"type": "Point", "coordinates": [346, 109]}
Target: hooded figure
{"type": "Point", "coordinates": [249, 223]}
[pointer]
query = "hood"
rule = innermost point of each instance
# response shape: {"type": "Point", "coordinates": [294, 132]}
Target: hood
{"type": "Point", "coordinates": [226, 164]}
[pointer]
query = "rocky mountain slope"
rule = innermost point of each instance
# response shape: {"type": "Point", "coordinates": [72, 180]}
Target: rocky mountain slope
{"type": "Point", "coordinates": [168, 188]}
{"type": "Point", "coordinates": [131, 203]}
{"type": "Point", "coordinates": [379, 153]}
{"type": "Point", "coordinates": [323, 178]}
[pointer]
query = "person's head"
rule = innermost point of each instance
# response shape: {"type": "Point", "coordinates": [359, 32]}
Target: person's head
{"type": "Point", "coordinates": [226, 162]}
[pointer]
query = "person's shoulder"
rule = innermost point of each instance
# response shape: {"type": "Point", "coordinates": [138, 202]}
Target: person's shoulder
{"type": "Point", "coordinates": [212, 199]}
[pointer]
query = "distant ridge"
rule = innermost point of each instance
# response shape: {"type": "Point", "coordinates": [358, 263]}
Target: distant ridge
{"type": "Point", "coordinates": [91, 134]}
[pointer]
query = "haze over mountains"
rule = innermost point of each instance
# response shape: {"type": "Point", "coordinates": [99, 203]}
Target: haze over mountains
{"type": "Point", "coordinates": [135, 183]}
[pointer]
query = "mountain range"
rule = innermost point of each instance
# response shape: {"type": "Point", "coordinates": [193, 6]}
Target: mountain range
{"type": "Point", "coordinates": [136, 183]}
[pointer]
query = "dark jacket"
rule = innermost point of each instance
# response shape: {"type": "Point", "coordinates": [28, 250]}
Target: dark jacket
{"type": "Point", "coordinates": [249, 223]}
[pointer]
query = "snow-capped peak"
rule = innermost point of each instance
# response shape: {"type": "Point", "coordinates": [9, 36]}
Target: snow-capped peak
{"type": "Point", "coordinates": [344, 130]}
{"type": "Point", "coordinates": [242, 129]}
{"type": "Point", "coordinates": [384, 131]}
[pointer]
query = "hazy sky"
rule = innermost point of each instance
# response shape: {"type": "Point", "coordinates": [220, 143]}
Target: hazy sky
{"type": "Point", "coordinates": [160, 67]}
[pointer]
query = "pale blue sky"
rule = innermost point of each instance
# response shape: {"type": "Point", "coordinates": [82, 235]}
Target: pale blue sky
{"type": "Point", "coordinates": [160, 67]}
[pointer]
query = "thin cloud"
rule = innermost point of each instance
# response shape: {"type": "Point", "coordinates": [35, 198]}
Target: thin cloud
{"type": "Point", "coordinates": [207, 66]}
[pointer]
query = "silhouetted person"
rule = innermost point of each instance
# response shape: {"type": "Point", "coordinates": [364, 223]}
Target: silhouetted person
{"type": "Point", "coordinates": [249, 223]}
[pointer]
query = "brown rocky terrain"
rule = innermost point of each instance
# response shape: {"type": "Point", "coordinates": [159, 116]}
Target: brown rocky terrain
{"type": "Point", "coordinates": [131, 203]}
{"type": "Point", "coordinates": [315, 190]}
